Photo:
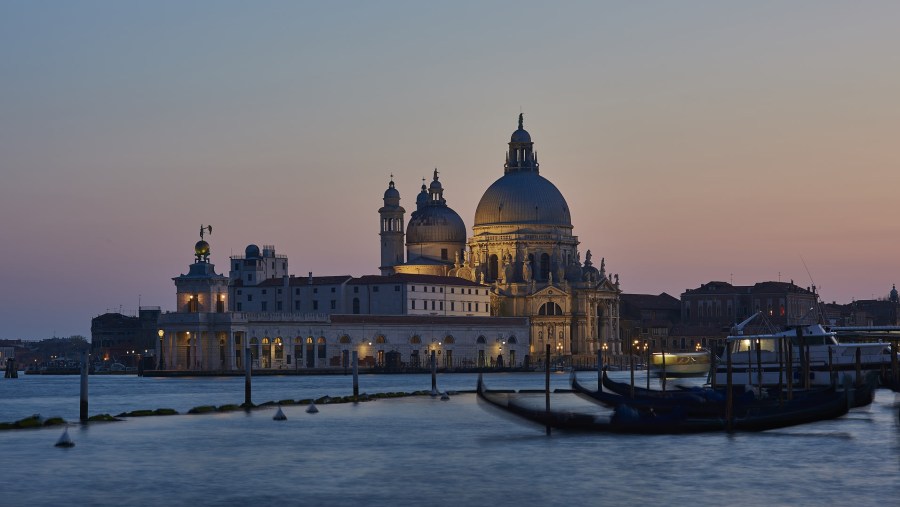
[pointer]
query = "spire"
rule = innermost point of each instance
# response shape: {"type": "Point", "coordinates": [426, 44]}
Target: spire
{"type": "Point", "coordinates": [521, 120]}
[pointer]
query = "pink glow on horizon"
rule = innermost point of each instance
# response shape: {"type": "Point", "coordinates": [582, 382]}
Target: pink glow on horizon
{"type": "Point", "coordinates": [692, 143]}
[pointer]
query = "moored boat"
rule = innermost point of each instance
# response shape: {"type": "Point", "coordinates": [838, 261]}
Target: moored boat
{"type": "Point", "coordinates": [680, 364]}
{"type": "Point", "coordinates": [626, 419]}
{"type": "Point", "coordinates": [813, 351]}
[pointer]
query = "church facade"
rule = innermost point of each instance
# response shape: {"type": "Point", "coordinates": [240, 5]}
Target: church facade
{"type": "Point", "coordinates": [522, 247]}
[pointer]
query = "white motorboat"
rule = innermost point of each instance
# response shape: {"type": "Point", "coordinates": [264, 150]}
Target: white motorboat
{"type": "Point", "coordinates": [766, 357]}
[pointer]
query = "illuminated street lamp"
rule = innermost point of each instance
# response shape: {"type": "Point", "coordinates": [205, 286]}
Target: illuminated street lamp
{"type": "Point", "coordinates": [162, 360]}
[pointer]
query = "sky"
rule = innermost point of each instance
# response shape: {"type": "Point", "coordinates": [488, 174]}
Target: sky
{"type": "Point", "coordinates": [693, 141]}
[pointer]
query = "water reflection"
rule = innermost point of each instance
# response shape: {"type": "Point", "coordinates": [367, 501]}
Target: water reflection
{"type": "Point", "coordinates": [424, 451]}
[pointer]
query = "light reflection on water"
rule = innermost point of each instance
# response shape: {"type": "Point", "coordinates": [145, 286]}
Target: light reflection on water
{"type": "Point", "coordinates": [421, 451]}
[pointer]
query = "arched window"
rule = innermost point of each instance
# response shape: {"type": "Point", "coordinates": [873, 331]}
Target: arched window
{"type": "Point", "coordinates": [266, 340]}
{"type": "Point", "coordinates": [480, 340]}
{"type": "Point", "coordinates": [449, 340]}
{"type": "Point", "coordinates": [545, 266]}
{"type": "Point", "coordinates": [550, 308]}
{"type": "Point", "coordinates": [493, 269]}
{"type": "Point", "coordinates": [415, 340]}
{"type": "Point", "coordinates": [380, 339]}
{"type": "Point", "coordinates": [321, 348]}
{"type": "Point", "coordinates": [298, 348]}
{"type": "Point", "coordinates": [279, 350]}
{"type": "Point", "coordinates": [345, 339]}
{"type": "Point", "coordinates": [512, 340]}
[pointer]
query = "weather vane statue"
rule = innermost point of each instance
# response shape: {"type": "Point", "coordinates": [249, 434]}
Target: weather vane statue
{"type": "Point", "coordinates": [205, 228]}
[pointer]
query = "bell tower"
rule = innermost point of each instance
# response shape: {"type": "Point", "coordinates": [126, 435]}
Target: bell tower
{"type": "Point", "coordinates": [392, 234]}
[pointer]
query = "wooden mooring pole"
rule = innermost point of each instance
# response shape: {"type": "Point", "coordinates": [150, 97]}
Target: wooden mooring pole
{"type": "Point", "coordinates": [248, 359]}
{"type": "Point", "coordinates": [547, 385]}
{"type": "Point", "coordinates": [83, 416]}
{"type": "Point", "coordinates": [355, 357]}
{"type": "Point", "coordinates": [649, 352]}
{"type": "Point", "coordinates": [600, 368]}
{"type": "Point", "coordinates": [831, 377]}
{"type": "Point", "coordinates": [729, 393]}
{"type": "Point", "coordinates": [895, 371]}
{"type": "Point", "coordinates": [433, 374]}
{"type": "Point", "coordinates": [631, 364]}
{"type": "Point", "coordinates": [663, 378]}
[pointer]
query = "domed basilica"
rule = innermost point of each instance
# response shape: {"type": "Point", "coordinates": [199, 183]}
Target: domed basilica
{"type": "Point", "coordinates": [521, 246]}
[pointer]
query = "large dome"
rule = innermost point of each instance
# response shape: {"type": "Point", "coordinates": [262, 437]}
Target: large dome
{"type": "Point", "coordinates": [435, 224]}
{"type": "Point", "coordinates": [522, 197]}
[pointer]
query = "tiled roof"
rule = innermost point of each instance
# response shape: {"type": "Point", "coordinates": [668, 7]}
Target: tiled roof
{"type": "Point", "coordinates": [410, 278]}
{"type": "Point", "coordinates": [649, 301]}
{"type": "Point", "coordinates": [299, 281]}
{"type": "Point", "coordinates": [761, 287]}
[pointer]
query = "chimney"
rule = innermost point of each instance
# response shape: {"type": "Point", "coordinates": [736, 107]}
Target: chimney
{"type": "Point", "coordinates": [310, 277]}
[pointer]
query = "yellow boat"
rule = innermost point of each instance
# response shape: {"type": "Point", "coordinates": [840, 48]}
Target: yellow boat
{"type": "Point", "coordinates": [681, 364]}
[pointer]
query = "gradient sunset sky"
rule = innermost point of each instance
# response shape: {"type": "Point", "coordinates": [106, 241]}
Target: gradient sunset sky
{"type": "Point", "coordinates": [693, 141]}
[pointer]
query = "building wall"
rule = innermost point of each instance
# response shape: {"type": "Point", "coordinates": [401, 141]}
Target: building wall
{"type": "Point", "coordinates": [294, 341]}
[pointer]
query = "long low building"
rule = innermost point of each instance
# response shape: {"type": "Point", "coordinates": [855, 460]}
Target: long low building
{"type": "Point", "coordinates": [205, 333]}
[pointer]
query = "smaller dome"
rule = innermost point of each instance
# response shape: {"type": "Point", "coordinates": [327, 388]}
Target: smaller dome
{"type": "Point", "coordinates": [435, 184]}
{"type": "Point", "coordinates": [520, 136]}
{"type": "Point", "coordinates": [391, 192]}
{"type": "Point", "coordinates": [251, 251]}
{"type": "Point", "coordinates": [422, 198]}
{"type": "Point", "coordinates": [201, 248]}
{"type": "Point", "coordinates": [436, 224]}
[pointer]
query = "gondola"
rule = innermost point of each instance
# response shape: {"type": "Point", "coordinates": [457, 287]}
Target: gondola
{"type": "Point", "coordinates": [673, 419]}
{"type": "Point", "coordinates": [624, 389]}
{"type": "Point", "coordinates": [856, 396]}
{"type": "Point", "coordinates": [622, 420]}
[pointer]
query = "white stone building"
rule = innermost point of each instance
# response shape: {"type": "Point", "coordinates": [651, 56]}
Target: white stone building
{"type": "Point", "coordinates": [291, 323]}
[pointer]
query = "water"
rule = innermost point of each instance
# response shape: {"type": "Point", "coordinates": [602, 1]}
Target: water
{"type": "Point", "coordinates": [415, 451]}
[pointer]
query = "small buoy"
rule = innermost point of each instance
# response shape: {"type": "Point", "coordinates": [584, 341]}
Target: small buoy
{"type": "Point", "coordinates": [65, 440]}
{"type": "Point", "coordinates": [312, 408]}
{"type": "Point", "coordinates": [445, 397]}
{"type": "Point", "coordinates": [279, 416]}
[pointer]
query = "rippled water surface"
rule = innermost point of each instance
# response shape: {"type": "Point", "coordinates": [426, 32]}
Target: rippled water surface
{"type": "Point", "coordinates": [415, 451]}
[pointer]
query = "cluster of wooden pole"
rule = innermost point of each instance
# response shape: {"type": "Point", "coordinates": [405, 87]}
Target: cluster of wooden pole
{"type": "Point", "coordinates": [11, 370]}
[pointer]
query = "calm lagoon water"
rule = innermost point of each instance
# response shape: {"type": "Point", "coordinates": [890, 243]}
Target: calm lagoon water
{"type": "Point", "coordinates": [415, 450]}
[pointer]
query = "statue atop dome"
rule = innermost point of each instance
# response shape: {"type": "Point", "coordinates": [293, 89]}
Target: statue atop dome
{"type": "Point", "coordinates": [201, 248]}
